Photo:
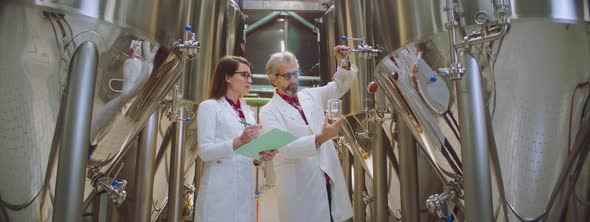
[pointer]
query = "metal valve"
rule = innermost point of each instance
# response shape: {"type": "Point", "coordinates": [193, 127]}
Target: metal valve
{"type": "Point", "coordinates": [442, 205]}
{"type": "Point", "coordinates": [363, 50]}
{"type": "Point", "coordinates": [115, 189]}
{"type": "Point", "coordinates": [189, 47]}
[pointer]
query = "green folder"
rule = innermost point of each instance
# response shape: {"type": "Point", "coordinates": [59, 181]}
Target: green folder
{"type": "Point", "coordinates": [271, 140]}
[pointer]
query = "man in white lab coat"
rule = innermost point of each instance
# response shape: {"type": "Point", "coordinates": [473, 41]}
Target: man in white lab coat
{"type": "Point", "coordinates": [309, 180]}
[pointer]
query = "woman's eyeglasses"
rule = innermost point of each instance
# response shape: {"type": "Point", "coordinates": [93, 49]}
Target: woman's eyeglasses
{"type": "Point", "coordinates": [288, 76]}
{"type": "Point", "coordinates": [245, 74]}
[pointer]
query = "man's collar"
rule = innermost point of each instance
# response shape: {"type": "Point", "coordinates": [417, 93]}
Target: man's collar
{"type": "Point", "coordinates": [285, 97]}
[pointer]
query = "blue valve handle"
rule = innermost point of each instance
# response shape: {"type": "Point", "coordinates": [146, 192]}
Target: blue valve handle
{"type": "Point", "coordinates": [115, 183]}
{"type": "Point", "coordinates": [344, 38]}
{"type": "Point", "coordinates": [450, 218]}
{"type": "Point", "coordinates": [433, 78]}
{"type": "Point", "coordinates": [188, 120]}
{"type": "Point", "coordinates": [188, 28]}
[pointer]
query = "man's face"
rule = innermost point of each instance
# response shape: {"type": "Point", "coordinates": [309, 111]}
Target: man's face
{"type": "Point", "coordinates": [287, 79]}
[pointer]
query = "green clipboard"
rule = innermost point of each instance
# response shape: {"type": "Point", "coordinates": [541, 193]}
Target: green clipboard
{"type": "Point", "coordinates": [271, 140]}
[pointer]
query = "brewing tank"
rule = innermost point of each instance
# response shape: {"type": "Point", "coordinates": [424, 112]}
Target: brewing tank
{"type": "Point", "coordinates": [525, 93]}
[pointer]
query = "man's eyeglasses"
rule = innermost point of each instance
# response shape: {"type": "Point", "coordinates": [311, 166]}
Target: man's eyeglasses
{"type": "Point", "coordinates": [288, 76]}
{"type": "Point", "coordinates": [244, 74]}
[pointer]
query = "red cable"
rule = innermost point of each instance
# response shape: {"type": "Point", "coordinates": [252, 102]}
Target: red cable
{"type": "Point", "coordinates": [569, 136]}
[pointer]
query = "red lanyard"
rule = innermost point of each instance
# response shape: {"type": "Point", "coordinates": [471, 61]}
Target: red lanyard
{"type": "Point", "coordinates": [237, 108]}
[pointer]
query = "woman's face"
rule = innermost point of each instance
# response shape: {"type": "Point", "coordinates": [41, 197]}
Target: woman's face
{"type": "Point", "coordinates": [241, 81]}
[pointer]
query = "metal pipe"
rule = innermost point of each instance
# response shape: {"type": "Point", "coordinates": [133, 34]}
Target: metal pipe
{"type": "Point", "coordinates": [408, 174]}
{"type": "Point", "coordinates": [359, 188]}
{"type": "Point", "coordinates": [474, 142]}
{"type": "Point", "coordinates": [197, 182]}
{"type": "Point", "coordinates": [73, 153]}
{"type": "Point", "coordinates": [452, 23]}
{"type": "Point", "coordinates": [484, 38]}
{"type": "Point", "coordinates": [379, 172]}
{"type": "Point", "coordinates": [145, 169]}
{"type": "Point", "coordinates": [176, 170]}
{"type": "Point", "coordinates": [346, 168]}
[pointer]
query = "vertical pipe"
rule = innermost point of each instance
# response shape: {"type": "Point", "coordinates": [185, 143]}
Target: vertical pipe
{"type": "Point", "coordinates": [286, 33]}
{"type": "Point", "coordinates": [379, 172]}
{"type": "Point", "coordinates": [346, 167]}
{"type": "Point", "coordinates": [145, 169]}
{"type": "Point", "coordinates": [408, 174]}
{"type": "Point", "coordinates": [359, 188]}
{"type": "Point", "coordinates": [176, 170]}
{"type": "Point", "coordinates": [474, 142]}
{"type": "Point", "coordinates": [73, 153]}
{"type": "Point", "coordinates": [96, 209]}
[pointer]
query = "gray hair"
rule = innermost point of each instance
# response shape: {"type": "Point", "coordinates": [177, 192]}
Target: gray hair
{"type": "Point", "coordinates": [272, 66]}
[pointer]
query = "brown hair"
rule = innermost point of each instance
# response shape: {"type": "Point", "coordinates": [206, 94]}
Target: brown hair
{"type": "Point", "coordinates": [225, 66]}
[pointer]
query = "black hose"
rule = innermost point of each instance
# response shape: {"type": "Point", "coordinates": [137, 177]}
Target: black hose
{"type": "Point", "coordinates": [584, 107]}
{"type": "Point", "coordinates": [446, 118]}
{"type": "Point", "coordinates": [450, 160]}
{"type": "Point", "coordinates": [453, 153]}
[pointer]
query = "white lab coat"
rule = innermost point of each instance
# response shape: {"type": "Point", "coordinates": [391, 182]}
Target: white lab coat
{"type": "Point", "coordinates": [299, 166]}
{"type": "Point", "coordinates": [226, 192]}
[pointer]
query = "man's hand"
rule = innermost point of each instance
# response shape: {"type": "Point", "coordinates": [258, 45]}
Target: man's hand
{"type": "Point", "coordinates": [340, 55]}
{"type": "Point", "coordinates": [329, 130]}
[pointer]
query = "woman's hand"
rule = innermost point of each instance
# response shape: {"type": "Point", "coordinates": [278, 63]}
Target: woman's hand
{"type": "Point", "coordinates": [268, 155]}
{"type": "Point", "coordinates": [250, 133]}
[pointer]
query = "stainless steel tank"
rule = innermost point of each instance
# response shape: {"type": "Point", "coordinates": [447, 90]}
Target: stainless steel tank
{"type": "Point", "coordinates": [529, 77]}
{"type": "Point", "coordinates": [219, 27]}
{"type": "Point", "coordinates": [328, 37]}
{"type": "Point", "coordinates": [136, 70]}
{"type": "Point", "coordinates": [351, 21]}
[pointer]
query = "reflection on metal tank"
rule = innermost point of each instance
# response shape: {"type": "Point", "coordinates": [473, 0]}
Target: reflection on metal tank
{"type": "Point", "coordinates": [135, 71]}
{"type": "Point", "coordinates": [528, 94]}
{"type": "Point", "coordinates": [220, 29]}
{"type": "Point", "coordinates": [351, 22]}
{"type": "Point", "coordinates": [328, 39]}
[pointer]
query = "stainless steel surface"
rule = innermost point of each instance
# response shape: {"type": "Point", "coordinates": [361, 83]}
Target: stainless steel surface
{"type": "Point", "coordinates": [73, 154]}
{"type": "Point", "coordinates": [40, 41]}
{"type": "Point", "coordinates": [474, 142]}
{"type": "Point", "coordinates": [408, 175]}
{"type": "Point", "coordinates": [328, 39]}
{"type": "Point", "coordinates": [133, 14]}
{"type": "Point", "coordinates": [515, 85]}
{"type": "Point", "coordinates": [378, 143]}
{"type": "Point", "coordinates": [402, 88]}
{"type": "Point", "coordinates": [346, 161]}
{"type": "Point", "coordinates": [358, 202]}
{"type": "Point", "coordinates": [542, 147]}
{"type": "Point", "coordinates": [556, 10]}
{"type": "Point", "coordinates": [145, 169]}
{"type": "Point", "coordinates": [220, 29]}
{"type": "Point", "coordinates": [176, 170]}
{"type": "Point", "coordinates": [397, 23]}
{"type": "Point", "coordinates": [351, 21]}
{"type": "Point", "coordinates": [283, 5]}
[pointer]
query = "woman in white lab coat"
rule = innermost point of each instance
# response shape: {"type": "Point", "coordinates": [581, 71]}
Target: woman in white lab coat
{"type": "Point", "coordinates": [226, 192]}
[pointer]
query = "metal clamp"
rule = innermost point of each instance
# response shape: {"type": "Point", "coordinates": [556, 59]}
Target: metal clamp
{"type": "Point", "coordinates": [189, 47]}
{"type": "Point", "coordinates": [442, 205]}
{"type": "Point", "coordinates": [115, 189]}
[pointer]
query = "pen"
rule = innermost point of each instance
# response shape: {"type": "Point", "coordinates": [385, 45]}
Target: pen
{"type": "Point", "coordinates": [245, 123]}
